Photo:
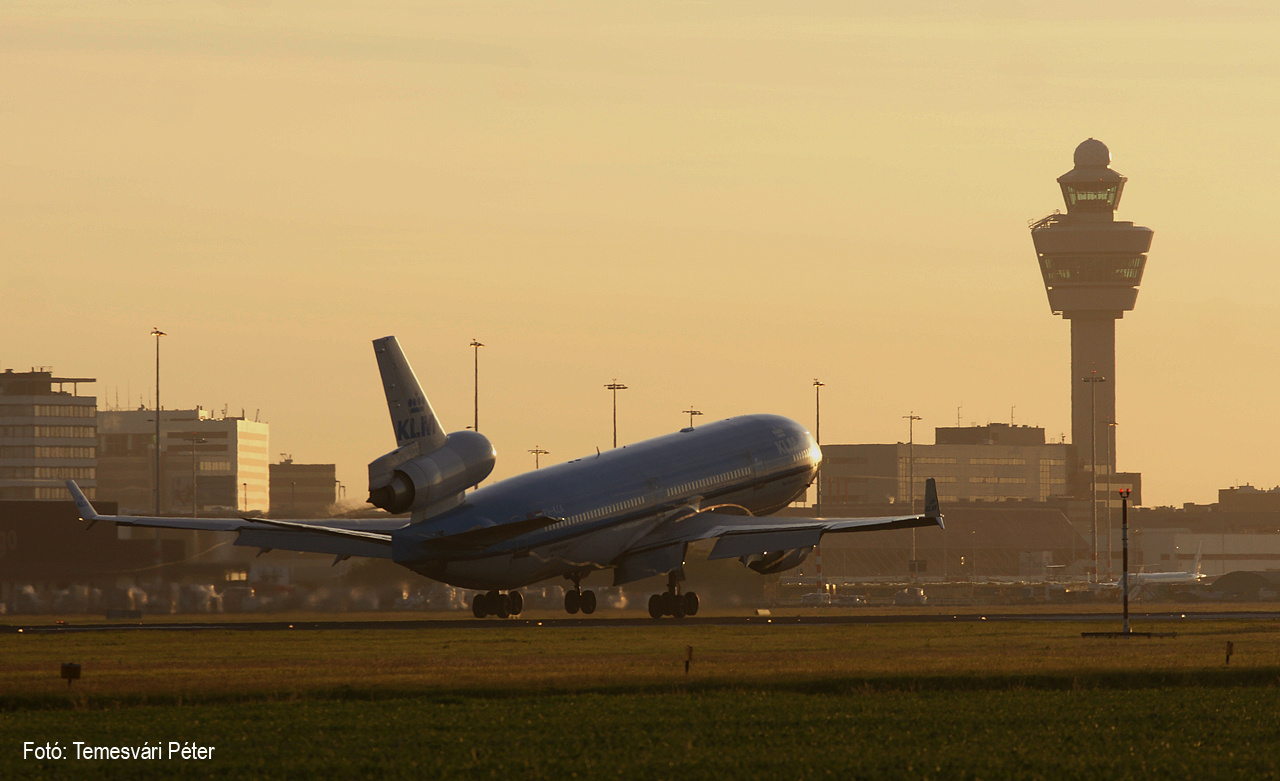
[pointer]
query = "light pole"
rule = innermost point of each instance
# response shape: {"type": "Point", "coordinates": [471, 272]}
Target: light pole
{"type": "Point", "coordinates": [537, 451]}
{"type": "Point", "coordinates": [476, 345]}
{"type": "Point", "coordinates": [615, 386]}
{"type": "Point", "coordinates": [157, 333]}
{"type": "Point", "coordinates": [1111, 435]}
{"type": "Point", "coordinates": [1124, 548]}
{"type": "Point", "coordinates": [912, 417]}
{"type": "Point", "coordinates": [1093, 379]}
{"type": "Point", "coordinates": [817, 438]}
{"type": "Point", "coordinates": [691, 412]}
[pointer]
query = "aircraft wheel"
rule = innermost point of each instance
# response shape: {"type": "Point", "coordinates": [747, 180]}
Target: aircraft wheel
{"type": "Point", "coordinates": [677, 605]}
{"type": "Point", "coordinates": [496, 604]}
{"type": "Point", "coordinates": [691, 603]}
{"type": "Point", "coordinates": [478, 607]}
{"type": "Point", "coordinates": [588, 602]}
{"type": "Point", "coordinates": [517, 602]}
{"type": "Point", "coordinates": [572, 601]}
{"type": "Point", "coordinates": [655, 606]}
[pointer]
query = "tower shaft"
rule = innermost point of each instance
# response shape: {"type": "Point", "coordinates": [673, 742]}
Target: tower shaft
{"type": "Point", "coordinates": [1093, 404]}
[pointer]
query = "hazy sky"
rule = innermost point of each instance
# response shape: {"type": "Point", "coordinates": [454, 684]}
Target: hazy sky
{"type": "Point", "coordinates": [714, 202]}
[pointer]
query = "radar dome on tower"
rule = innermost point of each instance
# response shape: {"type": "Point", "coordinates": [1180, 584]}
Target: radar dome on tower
{"type": "Point", "coordinates": [1092, 152]}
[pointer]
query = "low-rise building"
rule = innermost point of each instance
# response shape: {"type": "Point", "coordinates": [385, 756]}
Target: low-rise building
{"type": "Point", "coordinates": [303, 490]}
{"type": "Point", "coordinates": [992, 463]}
{"type": "Point", "coordinates": [206, 462]}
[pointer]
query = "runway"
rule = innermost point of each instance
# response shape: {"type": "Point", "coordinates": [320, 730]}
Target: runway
{"type": "Point", "coordinates": [905, 617]}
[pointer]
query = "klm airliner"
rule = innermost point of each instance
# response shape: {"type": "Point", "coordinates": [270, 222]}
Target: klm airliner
{"type": "Point", "coordinates": [634, 509]}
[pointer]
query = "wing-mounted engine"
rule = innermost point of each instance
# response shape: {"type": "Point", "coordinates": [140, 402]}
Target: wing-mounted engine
{"type": "Point", "coordinates": [406, 479]}
{"type": "Point", "coordinates": [769, 562]}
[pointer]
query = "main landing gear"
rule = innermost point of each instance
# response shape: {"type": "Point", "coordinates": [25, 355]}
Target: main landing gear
{"type": "Point", "coordinates": [495, 603]}
{"type": "Point", "coordinates": [577, 599]}
{"type": "Point", "coordinates": [672, 602]}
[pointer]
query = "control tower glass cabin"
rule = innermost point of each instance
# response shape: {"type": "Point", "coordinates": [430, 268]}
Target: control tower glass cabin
{"type": "Point", "coordinates": [1092, 266]}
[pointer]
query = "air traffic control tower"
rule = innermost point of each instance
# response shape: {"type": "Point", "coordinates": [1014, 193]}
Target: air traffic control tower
{"type": "Point", "coordinates": [1092, 266]}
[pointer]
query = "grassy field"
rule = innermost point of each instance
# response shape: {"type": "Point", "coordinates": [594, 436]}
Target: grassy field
{"type": "Point", "coordinates": [997, 699]}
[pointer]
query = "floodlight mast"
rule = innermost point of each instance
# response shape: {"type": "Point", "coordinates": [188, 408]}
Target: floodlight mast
{"type": "Point", "coordinates": [615, 386]}
{"type": "Point", "coordinates": [476, 345]}
{"type": "Point", "coordinates": [817, 438]}
{"type": "Point", "coordinates": [537, 452]}
{"type": "Point", "coordinates": [1124, 556]}
{"type": "Point", "coordinates": [157, 333]}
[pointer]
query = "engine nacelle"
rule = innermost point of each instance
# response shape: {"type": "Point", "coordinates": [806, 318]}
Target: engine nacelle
{"type": "Point", "coordinates": [406, 479]}
{"type": "Point", "coordinates": [773, 561]}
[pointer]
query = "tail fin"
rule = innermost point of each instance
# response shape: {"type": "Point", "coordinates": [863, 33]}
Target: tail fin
{"type": "Point", "coordinates": [411, 415]}
{"type": "Point", "coordinates": [1196, 568]}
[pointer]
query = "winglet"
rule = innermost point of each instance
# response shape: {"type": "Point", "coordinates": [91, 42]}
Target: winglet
{"type": "Point", "coordinates": [87, 512]}
{"type": "Point", "coordinates": [931, 506]}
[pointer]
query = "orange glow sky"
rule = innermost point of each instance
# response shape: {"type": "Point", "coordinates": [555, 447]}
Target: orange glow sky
{"type": "Point", "coordinates": [713, 202]}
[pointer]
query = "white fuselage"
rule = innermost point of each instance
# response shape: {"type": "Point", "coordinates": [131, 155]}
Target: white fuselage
{"type": "Point", "coordinates": [599, 506]}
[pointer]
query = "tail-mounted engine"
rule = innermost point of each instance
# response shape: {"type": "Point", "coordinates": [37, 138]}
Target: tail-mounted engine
{"type": "Point", "coordinates": [408, 480]}
{"type": "Point", "coordinates": [772, 561]}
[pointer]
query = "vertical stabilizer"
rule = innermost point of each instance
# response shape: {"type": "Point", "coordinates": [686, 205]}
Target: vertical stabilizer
{"type": "Point", "coordinates": [1196, 567]}
{"type": "Point", "coordinates": [411, 415]}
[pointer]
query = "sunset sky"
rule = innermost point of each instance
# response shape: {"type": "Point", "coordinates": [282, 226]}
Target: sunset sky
{"type": "Point", "coordinates": [713, 202]}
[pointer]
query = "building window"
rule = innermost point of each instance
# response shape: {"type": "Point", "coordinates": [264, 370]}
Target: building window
{"type": "Point", "coordinates": [48, 431]}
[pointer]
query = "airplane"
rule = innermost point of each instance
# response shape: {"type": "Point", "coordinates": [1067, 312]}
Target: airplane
{"type": "Point", "coordinates": [634, 509]}
{"type": "Point", "coordinates": [1145, 583]}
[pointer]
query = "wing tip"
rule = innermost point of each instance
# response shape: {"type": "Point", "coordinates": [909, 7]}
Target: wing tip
{"type": "Point", "coordinates": [87, 513]}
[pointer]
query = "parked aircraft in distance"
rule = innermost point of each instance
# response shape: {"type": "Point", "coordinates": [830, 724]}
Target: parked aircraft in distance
{"type": "Point", "coordinates": [634, 509]}
{"type": "Point", "coordinates": [1143, 584]}
{"type": "Point", "coordinates": [1157, 579]}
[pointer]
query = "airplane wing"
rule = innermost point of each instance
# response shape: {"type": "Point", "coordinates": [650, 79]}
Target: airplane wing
{"type": "Point", "coordinates": [738, 535]}
{"type": "Point", "coordinates": [339, 537]}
